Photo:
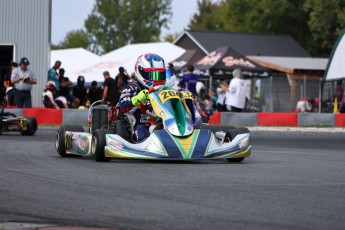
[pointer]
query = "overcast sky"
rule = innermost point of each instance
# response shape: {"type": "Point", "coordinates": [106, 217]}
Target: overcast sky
{"type": "Point", "coordinates": [70, 15]}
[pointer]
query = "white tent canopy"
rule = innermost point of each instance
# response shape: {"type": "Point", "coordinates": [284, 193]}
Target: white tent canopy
{"type": "Point", "coordinates": [126, 57]}
{"type": "Point", "coordinates": [336, 63]}
{"type": "Point", "coordinates": [73, 60]}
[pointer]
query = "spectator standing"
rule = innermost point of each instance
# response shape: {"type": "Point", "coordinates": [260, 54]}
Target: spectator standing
{"type": "Point", "coordinates": [121, 78]}
{"type": "Point", "coordinates": [9, 86]}
{"type": "Point", "coordinates": [111, 91]}
{"type": "Point", "coordinates": [94, 93]}
{"type": "Point", "coordinates": [221, 96]}
{"type": "Point", "coordinates": [189, 80]}
{"type": "Point", "coordinates": [65, 89]}
{"type": "Point", "coordinates": [79, 91]}
{"type": "Point", "coordinates": [23, 78]}
{"type": "Point", "coordinates": [53, 75]}
{"type": "Point", "coordinates": [237, 92]}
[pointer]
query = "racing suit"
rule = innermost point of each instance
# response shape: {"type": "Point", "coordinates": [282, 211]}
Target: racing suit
{"type": "Point", "coordinates": [140, 120]}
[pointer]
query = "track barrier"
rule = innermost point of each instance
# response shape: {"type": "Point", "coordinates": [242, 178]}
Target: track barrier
{"type": "Point", "coordinates": [56, 117]}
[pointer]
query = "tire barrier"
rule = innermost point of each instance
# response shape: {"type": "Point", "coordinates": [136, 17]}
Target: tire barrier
{"type": "Point", "coordinates": [55, 117]}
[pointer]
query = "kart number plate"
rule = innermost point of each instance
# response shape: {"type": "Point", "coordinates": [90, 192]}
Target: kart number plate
{"type": "Point", "coordinates": [13, 127]}
{"type": "Point", "coordinates": [187, 95]}
{"type": "Point", "coordinates": [165, 95]}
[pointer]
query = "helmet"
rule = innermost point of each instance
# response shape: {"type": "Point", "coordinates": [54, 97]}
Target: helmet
{"type": "Point", "coordinates": [24, 60]}
{"type": "Point", "coordinates": [51, 86]}
{"type": "Point", "coordinates": [150, 70]}
{"type": "Point", "coordinates": [81, 80]}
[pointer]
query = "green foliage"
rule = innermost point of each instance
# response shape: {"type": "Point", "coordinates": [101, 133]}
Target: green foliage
{"type": "Point", "coordinates": [315, 24]}
{"type": "Point", "coordinates": [171, 37]}
{"type": "Point", "coordinates": [115, 23]}
{"type": "Point", "coordinates": [326, 21]}
{"type": "Point", "coordinates": [206, 18]}
{"type": "Point", "coordinates": [74, 39]}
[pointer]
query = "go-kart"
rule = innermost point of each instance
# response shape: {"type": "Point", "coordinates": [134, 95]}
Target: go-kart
{"type": "Point", "coordinates": [73, 140]}
{"type": "Point", "coordinates": [180, 134]}
{"type": "Point", "coordinates": [9, 122]}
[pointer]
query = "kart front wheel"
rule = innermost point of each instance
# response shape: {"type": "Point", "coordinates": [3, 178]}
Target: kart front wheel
{"type": "Point", "coordinates": [98, 143]}
{"type": "Point", "coordinates": [230, 135]}
{"type": "Point", "coordinates": [31, 124]}
{"type": "Point", "coordinates": [60, 142]}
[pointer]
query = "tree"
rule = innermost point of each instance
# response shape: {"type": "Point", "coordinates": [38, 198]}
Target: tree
{"type": "Point", "coordinates": [171, 37]}
{"type": "Point", "coordinates": [206, 17]}
{"type": "Point", "coordinates": [326, 21]}
{"type": "Point", "coordinates": [74, 39]}
{"type": "Point", "coordinates": [115, 23]}
{"type": "Point", "coordinates": [314, 24]}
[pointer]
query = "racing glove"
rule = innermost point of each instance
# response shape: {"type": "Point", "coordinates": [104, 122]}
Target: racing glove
{"type": "Point", "coordinates": [141, 97]}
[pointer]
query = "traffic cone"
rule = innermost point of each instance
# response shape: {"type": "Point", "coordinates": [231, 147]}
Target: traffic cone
{"type": "Point", "coordinates": [335, 106]}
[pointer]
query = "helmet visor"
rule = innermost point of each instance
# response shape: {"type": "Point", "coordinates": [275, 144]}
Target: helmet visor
{"type": "Point", "coordinates": [154, 74]}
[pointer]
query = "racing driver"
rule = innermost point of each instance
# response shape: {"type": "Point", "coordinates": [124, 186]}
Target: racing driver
{"type": "Point", "coordinates": [150, 71]}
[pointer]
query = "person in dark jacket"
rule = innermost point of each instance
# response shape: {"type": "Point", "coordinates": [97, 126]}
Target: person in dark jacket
{"type": "Point", "coordinates": [111, 91]}
{"type": "Point", "coordinates": [79, 91]}
{"type": "Point", "coordinates": [94, 93]}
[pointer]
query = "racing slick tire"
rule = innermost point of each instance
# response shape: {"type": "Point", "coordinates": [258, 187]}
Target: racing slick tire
{"type": "Point", "coordinates": [60, 142]}
{"type": "Point", "coordinates": [98, 143]}
{"type": "Point", "coordinates": [230, 135]}
{"type": "Point", "coordinates": [31, 127]}
{"type": "Point", "coordinates": [121, 130]}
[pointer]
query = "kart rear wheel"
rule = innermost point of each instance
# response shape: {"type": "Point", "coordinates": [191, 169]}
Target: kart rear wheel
{"type": "Point", "coordinates": [31, 127]}
{"type": "Point", "coordinates": [60, 142]}
{"type": "Point", "coordinates": [98, 143]}
{"type": "Point", "coordinates": [230, 135]}
{"type": "Point", "coordinates": [121, 130]}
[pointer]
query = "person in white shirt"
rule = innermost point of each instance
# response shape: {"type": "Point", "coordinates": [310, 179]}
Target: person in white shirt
{"type": "Point", "coordinates": [221, 96]}
{"type": "Point", "coordinates": [237, 92]}
{"type": "Point", "coordinates": [23, 78]}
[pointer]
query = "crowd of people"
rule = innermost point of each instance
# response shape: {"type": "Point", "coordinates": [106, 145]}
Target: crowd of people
{"type": "Point", "coordinates": [60, 92]}
{"type": "Point", "coordinates": [227, 97]}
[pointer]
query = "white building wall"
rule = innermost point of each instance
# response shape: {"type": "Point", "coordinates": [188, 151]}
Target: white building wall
{"type": "Point", "coordinates": [27, 24]}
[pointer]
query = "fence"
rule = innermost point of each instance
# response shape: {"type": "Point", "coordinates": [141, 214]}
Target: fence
{"type": "Point", "coordinates": [278, 94]}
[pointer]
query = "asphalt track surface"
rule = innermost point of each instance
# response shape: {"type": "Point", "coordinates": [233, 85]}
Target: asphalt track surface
{"type": "Point", "coordinates": [293, 180]}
